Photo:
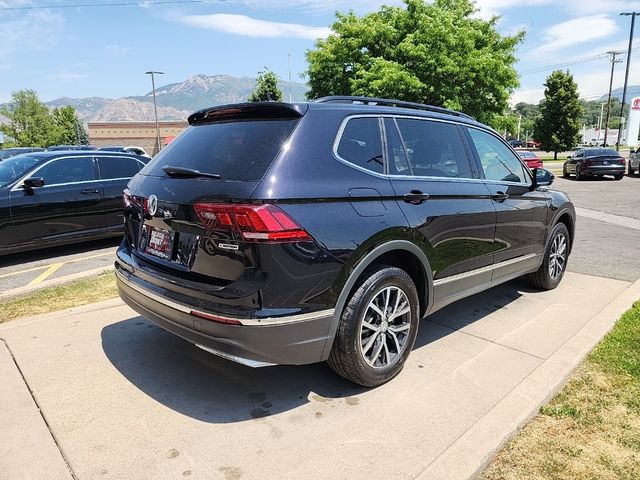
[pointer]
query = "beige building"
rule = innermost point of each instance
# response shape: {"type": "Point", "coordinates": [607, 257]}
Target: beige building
{"type": "Point", "coordinates": [139, 134]}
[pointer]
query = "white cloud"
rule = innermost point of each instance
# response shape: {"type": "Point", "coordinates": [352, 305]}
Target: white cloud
{"type": "Point", "coordinates": [527, 95]}
{"type": "Point", "coordinates": [34, 30]}
{"type": "Point", "coordinates": [320, 6]}
{"type": "Point", "coordinates": [489, 8]}
{"type": "Point", "coordinates": [576, 31]}
{"type": "Point", "coordinates": [603, 6]}
{"type": "Point", "coordinates": [252, 27]}
{"type": "Point", "coordinates": [116, 50]}
{"type": "Point", "coordinates": [68, 76]}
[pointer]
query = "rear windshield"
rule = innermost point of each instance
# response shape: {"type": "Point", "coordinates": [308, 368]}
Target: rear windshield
{"type": "Point", "coordinates": [601, 152]}
{"type": "Point", "coordinates": [236, 150]}
{"type": "Point", "coordinates": [526, 155]}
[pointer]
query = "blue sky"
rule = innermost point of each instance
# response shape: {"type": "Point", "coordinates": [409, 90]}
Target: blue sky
{"type": "Point", "coordinates": [82, 52]}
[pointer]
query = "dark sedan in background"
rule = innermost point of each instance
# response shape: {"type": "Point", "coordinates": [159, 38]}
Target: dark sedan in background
{"type": "Point", "coordinates": [588, 162]}
{"type": "Point", "coordinates": [54, 198]}
{"type": "Point", "coordinates": [13, 151]}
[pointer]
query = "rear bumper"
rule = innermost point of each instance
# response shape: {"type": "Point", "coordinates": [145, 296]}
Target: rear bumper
{"type": "Point", "coordinates": [294, 339]}
{"type": "Point", "coordinates": [603, 170]}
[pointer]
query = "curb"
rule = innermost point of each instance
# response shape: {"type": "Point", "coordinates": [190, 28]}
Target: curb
{"type": "Point", "coordinates": [15, 292]}
{"type": "Point", "coordinates": [470, 454]}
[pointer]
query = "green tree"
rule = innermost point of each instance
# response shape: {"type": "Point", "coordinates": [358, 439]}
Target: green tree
{"type": "Point", "coordinates": [68, 130]}
{"type": "Point", "coordinates": [439, 53]}
{"type": "Point", "coordinates": [506, 125]}
{"type": "Point", "coordinates": [266, 87]}
{"type": "Point", "coordinates": [30, 123]}
{"type": "Point", "coordinates": [560, 122]}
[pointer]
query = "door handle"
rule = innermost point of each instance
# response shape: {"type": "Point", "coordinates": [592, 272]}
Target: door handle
{"type": "Point", "coordinates": [90, 191]}
{"type": "Point", "coordinates": [500, 196]}
{"type": "Point", "coordinates": [416, 197]}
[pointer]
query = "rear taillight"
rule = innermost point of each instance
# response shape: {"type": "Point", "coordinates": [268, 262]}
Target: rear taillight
{"type": "Point", "coordinates": [621, 161]}
{"type": "Point", "coordinates": [255, 223]}
{"type": "Point", "coordinates": [129, 199]}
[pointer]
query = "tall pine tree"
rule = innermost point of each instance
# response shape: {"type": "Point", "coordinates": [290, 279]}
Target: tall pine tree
{"type": "Point", "coordinates": [558, 127]}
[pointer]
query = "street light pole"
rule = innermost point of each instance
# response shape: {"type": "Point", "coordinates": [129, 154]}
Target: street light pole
{"type": "Point", "coordinates": [155, 106]}
{"type": "Point", "coordinates": [626, 75]}
{"type": "Point", "coordinates": [606, 121]}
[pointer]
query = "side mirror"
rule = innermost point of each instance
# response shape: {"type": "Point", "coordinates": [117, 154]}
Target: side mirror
{"type": "Point", "coordinates": [542, 177]}
{"type": "Point", "coordinates": [33, 182]}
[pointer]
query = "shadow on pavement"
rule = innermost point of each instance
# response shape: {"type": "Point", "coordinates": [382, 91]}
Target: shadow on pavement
{"type": "Point", "coordinates": [211, 389]}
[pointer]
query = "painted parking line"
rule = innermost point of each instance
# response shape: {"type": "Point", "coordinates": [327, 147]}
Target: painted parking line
{"type": "Point", "coordinates": [46, 274]}
{"type": "Point", "coordinates": [43, 267]}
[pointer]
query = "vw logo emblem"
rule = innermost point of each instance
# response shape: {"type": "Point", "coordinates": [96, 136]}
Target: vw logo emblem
{"type": "Point", "coordinates": [153, 205]}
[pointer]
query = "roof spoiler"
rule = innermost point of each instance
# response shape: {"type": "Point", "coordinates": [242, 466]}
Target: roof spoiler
{"type": "Point", "coordinates": [236, 111]}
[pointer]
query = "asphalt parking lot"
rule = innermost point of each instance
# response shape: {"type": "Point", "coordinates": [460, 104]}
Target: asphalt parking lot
{"type": "Point", "coordinates": [38, 268]}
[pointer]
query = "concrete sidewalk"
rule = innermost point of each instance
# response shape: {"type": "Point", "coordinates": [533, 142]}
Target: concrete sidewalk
{"type": "Point", "coordinates": [125, 400]}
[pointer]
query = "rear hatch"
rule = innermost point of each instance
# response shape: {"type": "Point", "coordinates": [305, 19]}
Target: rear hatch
{"type": "Point", "coordinates": [189, 212]}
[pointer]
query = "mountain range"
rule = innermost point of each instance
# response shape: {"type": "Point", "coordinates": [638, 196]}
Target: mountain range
{"type": "Point", "coordinates": [175, 101]}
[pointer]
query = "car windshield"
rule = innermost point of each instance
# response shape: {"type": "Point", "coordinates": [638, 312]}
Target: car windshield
{"type": "Point", "coordinates": [527, 155]}
{"type": "Point", "coordinates": [601, 152]}
{"type": "Point", "coordinates": [14, 167]}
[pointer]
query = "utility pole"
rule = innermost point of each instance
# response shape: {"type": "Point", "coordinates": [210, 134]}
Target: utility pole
{"type": "Point", "coordinates": [626, 74]}
{"type": "Point", "coordinates": [600, 121]}
{"type": "Point", "coordinates": [155, 106]}
{"type": "Point", "coordinates": [606, 121]}
{"type": "Point", "coordinates": [519, 125]}
{"type": "Point", "coordinates": [290, 96]}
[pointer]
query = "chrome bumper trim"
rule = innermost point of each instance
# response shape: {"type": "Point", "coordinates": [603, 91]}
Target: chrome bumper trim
{"type": "Point", "coordinates": [235, 358]}
{"type": "Point", "coordinates": [244, 321]}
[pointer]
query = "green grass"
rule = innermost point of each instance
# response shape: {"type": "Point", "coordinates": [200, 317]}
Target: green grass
{"type": "Point", "coordinates": [591, 428]}
{"type": "Point", "coordinates": [69, 295]}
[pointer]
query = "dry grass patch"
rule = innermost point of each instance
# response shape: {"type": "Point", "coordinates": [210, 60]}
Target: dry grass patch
{"type": "Point", "coordinates": [50, 299]}
{"type": "Point", "coordinates": [591, 428]}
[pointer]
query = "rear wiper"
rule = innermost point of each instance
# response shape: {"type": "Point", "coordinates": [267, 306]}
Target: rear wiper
{"type": "Point", "coordinates": [181, 172]}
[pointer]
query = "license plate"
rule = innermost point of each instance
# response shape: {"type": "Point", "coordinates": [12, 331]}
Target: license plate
{"type": "Point", "coordinates": [605, 162]}
{"type": "Point", "coordinates": [159, 242]}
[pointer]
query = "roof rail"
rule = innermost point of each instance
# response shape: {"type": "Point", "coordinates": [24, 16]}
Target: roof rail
{"type": "Point", "coordinates": [386, 102]}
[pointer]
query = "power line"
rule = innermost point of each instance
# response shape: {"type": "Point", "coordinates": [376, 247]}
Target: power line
{"type": "Point", "coordinates": [569, 63]}
{"type": "Point", "coordinates": [92, 5]}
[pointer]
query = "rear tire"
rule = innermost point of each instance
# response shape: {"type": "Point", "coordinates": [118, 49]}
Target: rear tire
{"type": "Point", "coordinates": [578, 176]}
{"type": "Point", "coordinates": [554, 265]}
{"type": "Point", "coordinates": [369, 348]}
{"type": "Point", "coordinates": [618, 176]}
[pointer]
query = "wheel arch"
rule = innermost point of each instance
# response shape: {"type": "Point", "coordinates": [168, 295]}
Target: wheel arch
{"type": "Point", "coordinates": [568, 220]}
{"type": "Point", "coordinates": [397, 253]}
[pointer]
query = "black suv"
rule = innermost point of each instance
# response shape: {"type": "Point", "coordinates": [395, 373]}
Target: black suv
{"type": "Point", "coordinates": [278, 233]}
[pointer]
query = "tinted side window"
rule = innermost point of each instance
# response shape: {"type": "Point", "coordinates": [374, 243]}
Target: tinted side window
{"type": "Point", "coordinates": [361, 144]}
{"type": "Point", "coordinates": [498, 162]}
{"type": "Point", "coordinates": [434, 149]}
{"type": "Point", "coordinates": [118, 167]}
{"type": "Point", "coordinates": [68, 170]}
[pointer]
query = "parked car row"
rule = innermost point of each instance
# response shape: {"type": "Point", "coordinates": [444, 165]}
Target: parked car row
{"type": "Point", "coordinates": [10, 152]}
{"type": "Point", "coordinates": [634, 162]}
{"type": "Point", "coordinates": [54, 198]}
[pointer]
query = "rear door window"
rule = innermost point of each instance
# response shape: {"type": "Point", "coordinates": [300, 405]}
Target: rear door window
{"type": "Point", "coordinates": [236, 150]}
{"type": "Point", "coordinates": [361, 144]}
{"type": "Point", "coordinates": [432, 149]}
{"type": "Point", "coordinates": [118, 167]}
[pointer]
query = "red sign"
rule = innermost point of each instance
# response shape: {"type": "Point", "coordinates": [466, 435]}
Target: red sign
{"type": "Point", "coordinates": [636, 104]}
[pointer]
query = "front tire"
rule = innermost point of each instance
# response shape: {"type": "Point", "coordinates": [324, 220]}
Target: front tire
{"type": "Point", "coordinates": [555, 260]}
{"type": "Point", "coordinates": [377, 328]}
{"type": "Point", "coordinates": [565, 174]}
{"type": "Point", "coordinates": [631, 170]}
{"type": "Point", "coordinates": [578, 175]}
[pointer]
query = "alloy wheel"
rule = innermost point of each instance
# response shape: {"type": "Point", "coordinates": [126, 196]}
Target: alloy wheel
{"type": "Point", "coordinates": [557, 256]}
{"type": "Point", "coordinates": [384, 330]}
